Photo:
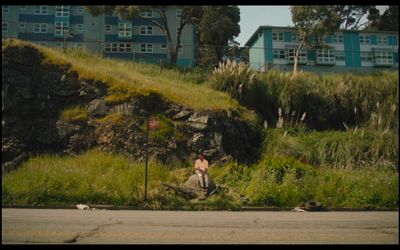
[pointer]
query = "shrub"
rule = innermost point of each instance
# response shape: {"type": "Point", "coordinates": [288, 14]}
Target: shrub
{"type": "Point", "coordinates": [75, 114]}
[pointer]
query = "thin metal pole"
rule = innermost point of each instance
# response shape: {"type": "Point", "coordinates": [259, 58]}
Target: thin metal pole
{"type": "Point", "coordinates": [147, 160]}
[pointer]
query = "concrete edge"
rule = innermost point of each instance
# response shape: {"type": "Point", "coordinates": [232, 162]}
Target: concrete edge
{"type": "Point", "coordinates": [111, 207]}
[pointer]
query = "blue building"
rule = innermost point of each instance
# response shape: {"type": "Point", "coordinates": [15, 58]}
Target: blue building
{"type": "Point", "coordinates": [73, 26]}
{"type": "Point", "coordinates": [272, 47]}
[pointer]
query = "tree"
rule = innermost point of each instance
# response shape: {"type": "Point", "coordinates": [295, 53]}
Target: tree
{"type": "Point", "coordinates": [351, 15]}
{"type": "Point", "coordinates": [218, 26]}
{"type": "Point", "coordinates": [190, 15]}
{"type": "Point", "coordinates": [388, 21]}
{"type": "Point", "coordinates": [313, 19]}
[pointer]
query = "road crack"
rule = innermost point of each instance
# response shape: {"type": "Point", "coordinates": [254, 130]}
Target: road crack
{"type": "Point", "coordinates": [90, 233]}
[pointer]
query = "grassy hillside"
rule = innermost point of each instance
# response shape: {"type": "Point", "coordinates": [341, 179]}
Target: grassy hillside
{"type": "Point", "coordinates": [134, 77]}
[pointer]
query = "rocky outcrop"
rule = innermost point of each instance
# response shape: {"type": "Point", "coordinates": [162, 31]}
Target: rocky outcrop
{"type": "Point", "coordinates": [35, 93]}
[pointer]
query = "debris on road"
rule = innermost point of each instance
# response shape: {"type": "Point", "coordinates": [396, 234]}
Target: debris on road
{"type": "Point", "coordinates": [82, 207]}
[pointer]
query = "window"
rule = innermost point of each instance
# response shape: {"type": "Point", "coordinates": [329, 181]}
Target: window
{"type": "Point", "coordinates": [337, 38]}
{"type": "Point", "coordinates": [339, 55]}
{"type": "Point", "coordinates": [118, 47]}
{"type": "Point", "coordinates": [108, 28]}
{"type": "Point", "coordinates": [178, 13]}
{"type": "Point", "coordinates": [146, 48]}
{"type": "Point", "coordinates": [180, 49]}
{"type": "Point", "coordinates": [146, 30]}
{"type": "Point", "coordinates": [277, 36]}
{"type": "Point", "coordinates": [22, 26]}
{"type": "Point", "coordinates": [79, 27]}
{"type": "Point", "coordinates": [5, 9]}
{"type": "Point", "coordinates": [382, 40]}
{"type": "Point", "coordinates": [125, 29]}
{"type": "Point", "coordinates": [146, 14]}
{"type": "Point", "coordinates": [365, 39]}
{"type": "Point", "coordinates": [80, 9]}
{"type": "Point", "coordinates": [163, 46]}
{"type": "Point", "coordinates": [41, 10]}
{"type": "Point", "coordinates": [279, 54]}
{"type": "Point", "coordinates": [326, 56]}
{"type": "Point", "coordinates": [384, 58]}
{"type": "Point", "coordinates": [62, 10]}
{"type": "Point", "coordinates": [317, 38]}
{"type": "Point", "coordinates": [4, 27]}
{"type": "Point", "coordinates": [40, 28]}
{"type": "Point", "coordinates": [366, 56]}
{"type": "Point", "coordinates": [291, 53]}
{"type": "Point", "coordinates": [295, 37]}
{"type": "Point", "coordinates": [61, 28]}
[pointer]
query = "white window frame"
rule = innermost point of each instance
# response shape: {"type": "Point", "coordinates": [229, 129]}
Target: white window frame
{"type": "Point", "coordinates": [384, 58]}
{"type": "Point", "coordinates": [41, 10]}
{"type": "Point", "coordinates": [4, 27]}
{"type": "Point", "coordinates": [146, 48]}
{"type": "Point", "coordinates": [40, 28]}
{"type": "Point", "coordinates": [279, 53]}
{"type": "Point", "coordinates": [125, 29]}
{"type": "Point", "coordinates": [326, 56]}
{"type": "Point", "coordinates": [366, 56]}
{"type": "Point", "coordinates": [117, 47]}
{"type": "Point", "coordinates": [60, 28]}
{"type": "Point", "coordinates": [277, 36]}
{"type": "Point", "coordinates": [106, 28]}
{"type": "Point", "coordinates": [365, 39]}
{"type": "Point", "coordinates": [317, 38]}
{"type": "Point", "coordinates": [337, 38]}
{"type": "Point", "coordinates": [5, 9]}
{"type": "Point", "coordinates": [291, 54]}
{"type": "Point", "coordinates": [340, 56]}
{"type": "Point", "coordinates": [295, 37]}
{"type": "Point", "coordinates": [62, 10]}
{"type": "Point", "coordinates": [179, 13]}
{"type": "Point", "coordinates": [382, 40]}
{"type": "Point", "coordinates": [79, 27]}
{"type": "Point", "coordinates": [146, 14]}
{"type": "Point", "coordinates": [163, 46]}
{"type": "Point", "coordinates": [146, 30]}
{"type": "Point", "coordinates": [22, 25]}
{"type": "Point", "coordinates": [80, 9]}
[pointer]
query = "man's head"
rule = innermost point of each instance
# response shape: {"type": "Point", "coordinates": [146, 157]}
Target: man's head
{"type": "Point", "coordinates": [201, 156]}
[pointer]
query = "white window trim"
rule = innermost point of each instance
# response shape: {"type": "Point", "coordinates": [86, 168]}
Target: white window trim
{"type": "Point", "coordinates": [179, 13]}
{"type": "Point", "coordinates": [382, 40]}
{"type": "Point", "coordinates": [117, 47]}
{"type": "Point", "coordinates": [2, 26]}
{"type": "Point", "coordinates": [337, 39]}
{"type": "Point", "coordinates": [326, 56]}
{"type": "Point", "coordinates": [42, 27]}
{"type": "Point", "coordinates": [147, 48]}
{"type": "Point", "coordinates": [340, 55]}
{"type": "Point", "coordinates": [291, 54]}
{"type": "Point", "coordinates": [80, 29]}
{"type": "Point", "coordinates": [62, 10]}
{"type": "Point", "coordinates": [22, 25]}
{"type": "Point", "coordinates": [277, 53]}
{"type": "Point", "coordinates": [295, 37]}
{"type": "Point", "coordinates": [63, 26]}
{"type": "Point", "coordinates": [366, 55]}
{"type": "Point", "coordinates": [41, 8]}
{"type": "Point", "coordinates": [278, 36]}
{"type": "Point", "coordinates": [126, 30]}
{"type": "Point", "coordinates": [146, 14]}
{"type": "Point", "coordinates": [162, 46]}
{"type": "Point", "coordinates": [383, 58]}
{"type": "Point", "coordinates": [5, 9]}
{"type": "Point", "coordinates": [105, 28]}
{"type": "Point", "coordinates": [80, 9]}
{"type": "Point", "coordinates": [148, 30]}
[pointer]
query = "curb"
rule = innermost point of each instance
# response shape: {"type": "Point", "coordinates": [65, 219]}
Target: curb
{"type": "Point", "coordinates": [287, 209]}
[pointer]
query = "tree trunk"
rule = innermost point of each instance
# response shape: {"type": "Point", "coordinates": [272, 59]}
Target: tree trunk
{"type": "Point", "coordinates": [297, 57]}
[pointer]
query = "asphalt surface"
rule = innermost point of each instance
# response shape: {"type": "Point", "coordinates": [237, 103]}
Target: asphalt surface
{"type": "Point", "coordinates": [73, 226]}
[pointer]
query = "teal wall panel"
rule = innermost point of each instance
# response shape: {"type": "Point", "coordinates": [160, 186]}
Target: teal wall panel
{"type": "Point", "coordinates": [268, 44]}
{"type": "Point", "coordinates": [373, 40]}
{"type": "Point", "coordinates": [287, 37]}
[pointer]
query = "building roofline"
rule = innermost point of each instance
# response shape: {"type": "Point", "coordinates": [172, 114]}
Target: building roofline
{"type": "Point", "coordinates": [250, 40]}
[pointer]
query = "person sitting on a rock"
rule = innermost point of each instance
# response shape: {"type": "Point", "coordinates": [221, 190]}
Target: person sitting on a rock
{"type": "Point", "coordinates": [201, 166]}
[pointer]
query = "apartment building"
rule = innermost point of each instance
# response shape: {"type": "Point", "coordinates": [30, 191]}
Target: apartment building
{"type": "Point", "coordinates": [273, 47]}
{"type": "Point", "coordinates": [73, 26]}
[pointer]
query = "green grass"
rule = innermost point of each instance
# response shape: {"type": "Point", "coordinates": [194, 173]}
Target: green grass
{"type": "Point", "coordinates": [75, 114]}
{"type": "Point", "coordinates": [99, 178]}
{"type": "Point", "coordinates": [127, 78]}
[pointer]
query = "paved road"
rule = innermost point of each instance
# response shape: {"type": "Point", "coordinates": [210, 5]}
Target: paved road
{"type": "Point", "coordinates": [179, 227]}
